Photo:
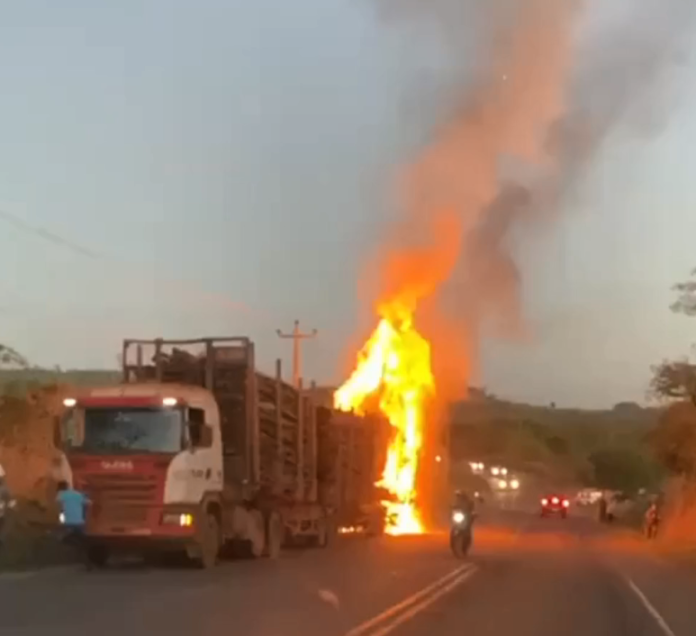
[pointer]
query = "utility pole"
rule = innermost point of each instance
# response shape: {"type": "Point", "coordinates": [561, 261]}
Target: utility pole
{"type": "Point", "coordinates": [297, 337]}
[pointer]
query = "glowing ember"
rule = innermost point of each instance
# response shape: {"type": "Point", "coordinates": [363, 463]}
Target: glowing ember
{"type": "Point", "coordinates": [395, 365]}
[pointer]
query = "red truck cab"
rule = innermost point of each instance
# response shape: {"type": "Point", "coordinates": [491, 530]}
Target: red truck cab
{"type": "Point", "coordinates": [145, 456]}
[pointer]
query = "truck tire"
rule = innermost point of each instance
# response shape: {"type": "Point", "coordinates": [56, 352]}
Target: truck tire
{"type": "Point", "coordinates": [96, 556]}
{"type": "Point", "coordinates": [208, 543]}
{"type": "Point", "coordinates": [254, 545]}
{"type": "Point", "coordinates": [324, 536]}
{"type": "Point", "coordinates": [274, 535]}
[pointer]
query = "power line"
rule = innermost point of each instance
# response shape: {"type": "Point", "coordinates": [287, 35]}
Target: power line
{"type": "Point", "coordinates": [47, 235]}
{"type": "Point", "coordinates": [87, 252]}
{"type": "Point", "coordinates": [297, 337]}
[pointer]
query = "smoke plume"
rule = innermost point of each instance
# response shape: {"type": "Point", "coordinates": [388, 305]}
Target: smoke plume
{"type": "Point", "coordinates": [524, 128]}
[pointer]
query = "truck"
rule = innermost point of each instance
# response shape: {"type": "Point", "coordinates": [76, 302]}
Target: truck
{"type": "Point", "coordinates": [198, 453]}
{"type": "Point", "coordinates": [352, 455]}
{"type": "Point", "coordinates": [357, 499]}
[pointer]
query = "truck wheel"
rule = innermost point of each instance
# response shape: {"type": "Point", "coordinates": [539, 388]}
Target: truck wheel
{"type": "Point", "coordinates": [323, 536]}
{"type": "Point", "coordinates": [326, 533]}
{"type": "Point", "coordinates": [256, 539]}
{"type": "Point", "coordinates": [274, 535]}
{"type": "Point", "coordinates": [97, 556]}
{"type": "Point", "coordinates": [208, 547]}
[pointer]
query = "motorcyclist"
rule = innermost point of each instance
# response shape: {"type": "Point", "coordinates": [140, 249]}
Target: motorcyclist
{"type": "Point", "coordinates": [463, 502]}
{"type": "Point", "coordinates": [461, 523]}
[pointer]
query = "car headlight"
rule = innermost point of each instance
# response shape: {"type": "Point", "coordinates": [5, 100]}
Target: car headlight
{"type": "Point", "coordinates": [458, 517]}
{"type": "Point", "coordinates": [514, 484]}
{"type": "Point", "coordinates": [61, 517]}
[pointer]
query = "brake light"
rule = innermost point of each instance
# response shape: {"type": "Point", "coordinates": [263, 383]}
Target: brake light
{"type": "Point", "coordinates": [544, 502]}
{"type": "Point", "coordinates": [566, 503]}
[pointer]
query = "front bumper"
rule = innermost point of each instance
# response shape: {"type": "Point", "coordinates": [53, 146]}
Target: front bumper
{"type": "Point", "coordinates": [132, 524]}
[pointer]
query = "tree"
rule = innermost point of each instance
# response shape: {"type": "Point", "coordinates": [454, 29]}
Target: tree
{"type": "Point", "coordinates": [674, 439]}
{"type": "Point", "coordinates": [674, 380]}
{"type": "Point", "coordinates": [11, 358]}
{"type": "Point", "coordinates": [621, 469]}
{"type": "Point", "coordinates": [686, 301]}
{"type": "Point", "coordinates": [677, 379]}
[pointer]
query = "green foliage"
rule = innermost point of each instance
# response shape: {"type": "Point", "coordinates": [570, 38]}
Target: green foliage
{"type": "Point", "coordinates": [11, 358]}
{"type": "Point", "coordinates": [558, 442]}
{"type": "Point", "coordinates": [623, 469]}
{"type": "Point", "coordinates": [674, 380]}
{"type": "Point", "coordinates": [674, 439]}
{"type": "Point", "coordinates": [686, 301]}
{"type": "Point", "coordinates": [19, 381]}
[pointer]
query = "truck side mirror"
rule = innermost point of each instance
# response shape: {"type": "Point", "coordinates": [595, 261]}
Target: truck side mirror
{"type": "Point", "coordinates": [206, 436]}
{"type": "Point", "coordinates": [57, 436]}
{"type": "Point", "coordinates": [200, 435]}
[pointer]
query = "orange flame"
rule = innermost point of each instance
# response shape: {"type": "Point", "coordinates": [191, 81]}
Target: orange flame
{"type": "Point", "coordinates": [395, 365]}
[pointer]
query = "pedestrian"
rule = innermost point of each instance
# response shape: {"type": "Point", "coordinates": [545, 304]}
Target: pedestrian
{"type": "Point", "coordinates": [73, 508]}
{"type": "Point", "coordinates": [6, 502]}
{"type": "Point", "coordinates": [603, 508]}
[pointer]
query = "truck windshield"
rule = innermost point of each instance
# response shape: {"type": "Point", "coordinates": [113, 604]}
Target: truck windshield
{"type": "Point", "coordinates": [124, 430]}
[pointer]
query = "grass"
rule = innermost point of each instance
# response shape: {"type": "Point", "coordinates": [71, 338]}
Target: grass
{"type": "Point", "coordinates": [29, 541]}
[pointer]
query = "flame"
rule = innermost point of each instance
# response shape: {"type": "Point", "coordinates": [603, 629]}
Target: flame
{"type": "Point", "coordinates": [395, 365]}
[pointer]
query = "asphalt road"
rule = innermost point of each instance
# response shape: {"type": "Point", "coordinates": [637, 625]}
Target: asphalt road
{"type": "Point", "coordinates": [526, 576]}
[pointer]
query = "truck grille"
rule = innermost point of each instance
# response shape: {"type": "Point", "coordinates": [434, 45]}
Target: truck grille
{"type": "Point", "coordinates": [121, 499]}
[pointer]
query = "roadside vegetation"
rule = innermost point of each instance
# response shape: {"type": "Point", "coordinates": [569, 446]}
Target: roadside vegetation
{"type": "Point", "coordinates": [606, 449]}
{"type": "Point", "coordinates": [673, 440]}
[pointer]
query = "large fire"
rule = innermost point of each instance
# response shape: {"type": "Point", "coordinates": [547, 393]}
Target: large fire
{"type": "Point", "coordinates": [395, 365]}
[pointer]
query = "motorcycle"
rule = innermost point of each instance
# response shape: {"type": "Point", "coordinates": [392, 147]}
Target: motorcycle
{"type": "Point", "coordinates": [461, 533]}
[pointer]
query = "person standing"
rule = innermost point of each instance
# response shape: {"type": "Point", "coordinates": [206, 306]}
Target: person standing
{"type": "Point", "coordinates": [603, 507]}
{"type": "Point", "coordinates": [73, 514]}
{"type": "Point", "coordinates": [6, 502]}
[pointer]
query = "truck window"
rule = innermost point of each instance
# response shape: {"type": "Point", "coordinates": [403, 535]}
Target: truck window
{"type": "Point", "coordinates": [131, 430]}
{"type": "Point", "coordinates": [196, 420]}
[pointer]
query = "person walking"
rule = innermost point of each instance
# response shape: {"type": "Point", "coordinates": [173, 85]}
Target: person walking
{"type": "Point", "coordinates": [73, 516]}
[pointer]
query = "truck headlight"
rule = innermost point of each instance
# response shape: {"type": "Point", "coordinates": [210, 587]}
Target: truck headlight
{"type": "Point", "coordinates": [183, 520]}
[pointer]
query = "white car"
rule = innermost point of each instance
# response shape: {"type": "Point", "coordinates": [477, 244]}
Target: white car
{"type": "Point", "coordinates": [588, 497]}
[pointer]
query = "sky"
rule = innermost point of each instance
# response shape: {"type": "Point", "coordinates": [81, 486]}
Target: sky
{"type": "Point", "coordinates": [224, 167]}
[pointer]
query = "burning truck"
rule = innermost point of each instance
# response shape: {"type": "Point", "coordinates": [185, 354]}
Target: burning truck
{"type": "Point", "coordinates": [197, 452]}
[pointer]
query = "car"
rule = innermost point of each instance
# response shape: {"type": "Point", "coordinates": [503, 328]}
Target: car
{"type": "Point", "coordinates": [554, 504]}
{"type": "Point", "coordinates": [588, 497]}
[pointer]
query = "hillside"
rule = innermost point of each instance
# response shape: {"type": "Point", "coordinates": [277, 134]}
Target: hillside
{"type": "Point", "coordinates": [604, 447]}
{"type": "Point", "coordinates": [74, 377]}
{"type": "Point", "coordinates": [593, 446]}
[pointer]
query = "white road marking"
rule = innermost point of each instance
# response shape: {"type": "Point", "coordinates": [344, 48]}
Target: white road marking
{"type": "Point", "coordinates": [412, 605]}
{"type": "Point", "coordinates": [416, 609]}
{"type": "Point", "coordinates": [666, 629]}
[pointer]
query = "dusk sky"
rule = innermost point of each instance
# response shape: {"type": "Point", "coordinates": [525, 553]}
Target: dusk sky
{"type": "Point", "coordinates": [224, 167]}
